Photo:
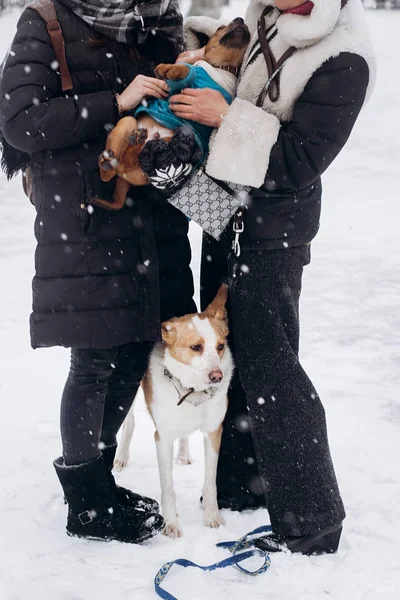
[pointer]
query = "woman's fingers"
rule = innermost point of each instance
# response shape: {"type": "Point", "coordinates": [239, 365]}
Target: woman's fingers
{"type": "Point", "coordinates": [183, 108]}
{"type": "Point", "coordinates": [188, 96]}
{"type": "Point", "coordinates": [150, 89]}
{"type": "Point", "coordinates": [193, 92]}
{"type": "Point", "coordinates": [187, 57]}
{"type": "Point", "coordinates": [180, 99]}
{"type": "Point", "coordinates": [188, 114]}
{"type": "Point", "coordinates": [187, 117]}
{"type": "Point", "coordinates": [204, 106]}
{"type": "Point", "coordinates": [154, 85]}
{"type": "Point", "coordinates": [160, 83]}
{"type": "Point", "coordinates": [183, 111]}
{"type": "Point", "coordinates": [141, 87]}
{"type": "Point", "coordinates": [191, 56]}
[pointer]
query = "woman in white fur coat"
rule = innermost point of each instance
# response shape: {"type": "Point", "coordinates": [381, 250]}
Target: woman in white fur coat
{"type": "Point", "coordinates": [279, 139]}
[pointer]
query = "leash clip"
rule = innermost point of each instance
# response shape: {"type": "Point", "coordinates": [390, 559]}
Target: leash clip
{"type": "Point", "coordinates": [238, 228]}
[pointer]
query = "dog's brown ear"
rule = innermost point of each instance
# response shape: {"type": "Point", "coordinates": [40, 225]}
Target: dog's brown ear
{"type": "Point", "coordinates": [168, 332]}
{"type": "Point", "coordinates": [217, 308]}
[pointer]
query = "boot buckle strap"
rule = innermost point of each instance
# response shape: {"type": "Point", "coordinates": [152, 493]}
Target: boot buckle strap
{"type": "Point", "coordinates": [86, 517]}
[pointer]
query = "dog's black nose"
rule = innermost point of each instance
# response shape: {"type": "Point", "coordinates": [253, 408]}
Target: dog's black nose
{"type": "Point", "coordinates": [216, 376]}
{"type": "Point", "coordinates": [238, 20]}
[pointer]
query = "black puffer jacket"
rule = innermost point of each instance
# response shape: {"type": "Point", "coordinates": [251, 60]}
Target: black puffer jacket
{"type": "Point", "coordinates": [286, 210]}
{"type": "Point", "coordinates": [102, 278]}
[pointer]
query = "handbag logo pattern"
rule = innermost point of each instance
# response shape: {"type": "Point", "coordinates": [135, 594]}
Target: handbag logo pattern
{"type": "Point", "coordinates": [211, 206]}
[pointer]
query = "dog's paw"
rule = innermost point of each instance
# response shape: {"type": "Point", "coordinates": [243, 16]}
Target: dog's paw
{"type": "Point", "coordinates": [108, 164]}
{"type": "Point", "coordinates": [138, 137]}
{"type": "Point", "coordinates": [183, 460]}
{"type": "Point", "coordinates": [173, 530]}
{"type": "Point", "coordinates": [213, 519]}
{"type": "Point", "coordinates": [173, 72]}
{"type": "Point", "coordinates": [120, 462]}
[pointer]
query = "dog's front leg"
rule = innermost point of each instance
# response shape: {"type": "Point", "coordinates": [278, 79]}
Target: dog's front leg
{"type": "Point", "coordinates": [122, 187]}
{"type": "Point", "coordinates": [212, 443]}
{"type": "Point", "coordinates": [165, 455]}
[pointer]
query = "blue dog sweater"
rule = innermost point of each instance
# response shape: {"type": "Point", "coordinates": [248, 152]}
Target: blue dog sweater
{"type": "Point", "coordinates": [200, 76]}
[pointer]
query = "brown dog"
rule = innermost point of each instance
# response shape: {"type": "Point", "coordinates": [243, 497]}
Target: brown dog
{"type": "Point", "coordinates": [224, 51]}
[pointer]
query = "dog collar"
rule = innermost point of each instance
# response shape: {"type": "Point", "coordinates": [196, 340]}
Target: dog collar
{"type": "Point", "coordinates": [233, 70]}
{"type": "Point", "coordinates": [209, 393]}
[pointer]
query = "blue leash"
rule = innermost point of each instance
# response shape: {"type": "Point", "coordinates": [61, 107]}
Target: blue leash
{"type": "Point", "coordinates": [244, 543]}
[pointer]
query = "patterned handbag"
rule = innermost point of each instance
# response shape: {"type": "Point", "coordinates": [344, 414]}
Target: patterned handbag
{"type": "Point", "coordinates": [209, 202]}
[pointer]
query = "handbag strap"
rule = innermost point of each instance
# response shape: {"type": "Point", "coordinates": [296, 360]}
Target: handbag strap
{"type": "Point", "coordinates": [238, 219]}
{"type": "Point", "coordinates": [272, 87]}
{"type": "Point", "coordinates": [226, 188]}
{"type": "Point", "coordinates": [46, 9]}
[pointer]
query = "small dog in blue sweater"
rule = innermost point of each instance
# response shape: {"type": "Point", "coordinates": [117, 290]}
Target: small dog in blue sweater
{"type": "Point", "coordinates": [156, 147]}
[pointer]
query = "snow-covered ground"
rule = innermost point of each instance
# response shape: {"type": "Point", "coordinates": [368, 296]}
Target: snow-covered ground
{"type": "Point", "coordinates": [350, 346]}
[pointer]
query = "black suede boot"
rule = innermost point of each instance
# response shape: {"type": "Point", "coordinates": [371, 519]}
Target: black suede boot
{"type": "Point", "coordinates": [325, 541]}
{"type": "Point", "coordinates": [121, 494]}
{"type": "Point", "coordinates": [94, 513]}
{"type": "Point", "coordinates": [246, 502]}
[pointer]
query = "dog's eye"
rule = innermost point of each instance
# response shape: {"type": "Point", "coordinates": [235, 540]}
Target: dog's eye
{"type": "Point", "coordinates": [220, 347]}
{"type": "Point", "coordinates": [197, 348]}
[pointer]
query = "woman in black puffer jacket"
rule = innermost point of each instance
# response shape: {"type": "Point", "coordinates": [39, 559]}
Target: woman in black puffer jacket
{"type": "Point", "coordinates": [104, 281]}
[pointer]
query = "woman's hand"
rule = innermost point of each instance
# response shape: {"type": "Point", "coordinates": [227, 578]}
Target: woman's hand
{"type": "Point", "coordinates": [141, 87]}
{"type": "Point", "coordinates": [205, 106]}
{"type": "Point", "coordinates": [191, 56]}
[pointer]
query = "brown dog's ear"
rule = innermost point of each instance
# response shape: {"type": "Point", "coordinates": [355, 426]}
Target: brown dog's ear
{"type": "Point", "coordinates": [217, 308]}
{"type": "Point", "coordinates": [168, 332]}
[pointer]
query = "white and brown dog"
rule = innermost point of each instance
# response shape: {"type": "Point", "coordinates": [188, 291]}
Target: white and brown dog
{"type": "Point", "coordinates": [185, 389]}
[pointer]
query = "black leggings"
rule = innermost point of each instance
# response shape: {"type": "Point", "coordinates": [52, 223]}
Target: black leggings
{"type": "Point", "coordinates": [100, 389]}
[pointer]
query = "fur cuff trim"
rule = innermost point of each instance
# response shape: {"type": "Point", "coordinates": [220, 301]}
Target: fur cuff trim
{"type": "Point", "coordinates": [241, 147]}
{"type": "Point", "coordinates": [193, 26]}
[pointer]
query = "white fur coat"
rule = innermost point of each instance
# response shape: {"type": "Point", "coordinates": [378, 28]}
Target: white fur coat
{"type": "Point", "coordinates": [241, 147]}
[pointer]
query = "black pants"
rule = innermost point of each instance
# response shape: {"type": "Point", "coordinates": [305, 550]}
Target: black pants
{"type": "Point", "coordinates": [98, 394]}
{"type": "Point", "coordinates": [275, 439]}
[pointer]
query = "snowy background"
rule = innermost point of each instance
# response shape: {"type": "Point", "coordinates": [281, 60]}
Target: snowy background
{"type": "Point", "coordinates": [350, 347]}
